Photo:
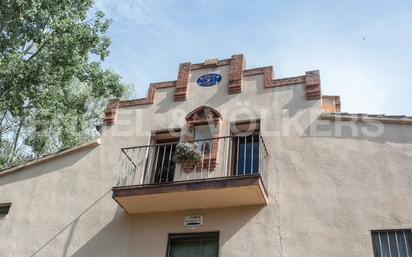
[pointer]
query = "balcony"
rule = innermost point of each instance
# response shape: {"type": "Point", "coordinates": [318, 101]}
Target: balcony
{"type": "Point", "coordinates": [232, 171]}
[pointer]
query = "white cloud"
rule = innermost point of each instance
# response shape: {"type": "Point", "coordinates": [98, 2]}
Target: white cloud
{"type": "Point", "coordinates": [362, 56]}
{"type": "Point", "coordinates": [140, 12]}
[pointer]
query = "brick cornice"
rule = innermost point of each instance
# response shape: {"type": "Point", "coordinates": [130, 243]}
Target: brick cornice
{"type": "Point", "coordinates": [331, 103]}
{"type": "Point", "coordinates": [165, 84]}
{"type": "Point", "coordinates": [149, 99]}
{"type": "Point", "coordinates": [237, 65]}
{"type": "Point", "coordinates": [313, 91]}
{"type": "Point", "coordinates": [363, 117]}
{"type": "Point", "coordinates": [182, 82]}
{"type": "Point", "coordinates": [311, 80]}
{"type": "Point", "coordinates": [266, 71]}
{"type": "Point", "coordinates": [110, 114]}
{"type": "Point", "coordinates": [288, 81]}
{"type": "Point", "coordinates": [237, 72]}
{"type": "Point", "coordinates": [219, 63]}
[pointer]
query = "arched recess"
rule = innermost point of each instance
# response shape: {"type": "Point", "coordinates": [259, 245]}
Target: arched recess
{"type": "Point", "coordinates": [203, 124]}
{"type": "Point", "coordinates": [203, 115]}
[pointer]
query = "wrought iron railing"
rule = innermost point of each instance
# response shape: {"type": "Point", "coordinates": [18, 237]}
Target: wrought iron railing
{"type": "Point", "coordinates": [219, 157]}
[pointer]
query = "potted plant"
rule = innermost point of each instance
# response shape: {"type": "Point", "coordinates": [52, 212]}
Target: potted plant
{"type": "Point", "coordinates": [187, 154]}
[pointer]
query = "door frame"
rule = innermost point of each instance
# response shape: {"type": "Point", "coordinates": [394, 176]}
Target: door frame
{"type": "Point", "coordinates": [153, 170]}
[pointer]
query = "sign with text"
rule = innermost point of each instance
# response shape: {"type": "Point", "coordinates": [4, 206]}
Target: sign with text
{"type": "Point", "coordinates": [209, 80]}
{"type": "Point", "coordinates": [193, 221]}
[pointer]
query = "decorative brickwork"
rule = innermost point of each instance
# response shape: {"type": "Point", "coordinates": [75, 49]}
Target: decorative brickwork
{"type": "Point", "coordinates": [150, 94]}
{"type": "Point", "coordinates": [204, 115]}
{"type": "Point", "coordinates": [289, 81]}
{"type": "Point", "coordinates": [209, 63]}
{"type": "Point", "coordinates": [165, 84]}
{"type": "Point", "coordinates": [266, 71]}
{"type": "Point", "coordinates": [364, 117]}
{"type": "Point", "coordinates": [236, 73]}
{"type": "Point", "coordinates": [331, 103]}
{"type": "Point", "coordinates": [237, 65]}
{"type": "Point", "coordinates": [313, 85]}
{"type": "Point", "coordinates": [110, 114]}
{"type": "Point", "coordinates": [142, 101]}
{"type": "Point", "coordinates": [182, 82]}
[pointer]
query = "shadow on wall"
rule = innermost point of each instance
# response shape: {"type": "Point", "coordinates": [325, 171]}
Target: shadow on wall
{"type": "Point", "coordinates": [243, 216]}
{"type": "Point", "coordinates": [50, 166]}
{"type": "Point", "coordinates": [297, 102]}
{"type": "Point", "coordinates": [220, 97]}
{"type": "Point", "coordinates": [149, 233]}
{"type": "Point", "coordinates": [373, 132]}
{"type": "Point", "coordinates": [111, 241]}
{"type": "Point", "coordinates": [92, 211]}
{"type": "Point", "coordinates": [168, 103]}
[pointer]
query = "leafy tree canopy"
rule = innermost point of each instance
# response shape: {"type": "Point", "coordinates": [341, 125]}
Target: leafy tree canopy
{"type": "Point", "coordinates": [53, 89]}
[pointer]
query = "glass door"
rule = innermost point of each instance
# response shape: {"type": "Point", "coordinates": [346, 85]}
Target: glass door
{"type": "Point", "coordinates": [246, 154]}
{"type": "Point", "coordinates": [164, 168]}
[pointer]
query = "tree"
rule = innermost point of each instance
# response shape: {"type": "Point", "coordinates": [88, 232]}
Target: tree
{"type": "Point", "coordinates": [53, 89]}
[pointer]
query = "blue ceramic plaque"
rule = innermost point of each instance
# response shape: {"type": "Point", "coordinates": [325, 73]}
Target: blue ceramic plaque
{"type": "Point", "coordinates": [209, 80]}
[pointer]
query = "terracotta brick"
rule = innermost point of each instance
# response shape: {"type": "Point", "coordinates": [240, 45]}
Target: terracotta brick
{"type": "Point", "coordinates": [207, 64]}
{"type": "Point", "coordinates": [237, 65]}
{"type": "Point", "coordinates": [313, 91]}
{"type": "Point", "coordinates": [288, 81]}
{"type": "Point", "coordinates": [199, 117]}
{"type": "Point", "coordinates": [237, 70]}
{"type": "Point", "coordinates": [182, 82]}
{"type": "Point", "coordinates": [266, 71]}
{"type": "Point", "coordinates": [331, 103]}
{"type": "Point", "coordinates": [110, 114]}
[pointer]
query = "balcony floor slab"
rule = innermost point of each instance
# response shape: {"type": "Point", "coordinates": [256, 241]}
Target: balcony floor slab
{"type": "Point", "coordinates": [192, 195]}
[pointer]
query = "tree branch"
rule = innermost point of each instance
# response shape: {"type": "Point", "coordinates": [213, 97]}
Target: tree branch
{"type": "Point", "coordinates": [26, 51]}
{"type": "Point", "coordinates": [37, 52]}
{"type": "Point", "coordinates": [15, 141]}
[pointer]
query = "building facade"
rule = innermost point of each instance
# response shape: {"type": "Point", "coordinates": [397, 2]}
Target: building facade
{"type": "Point", "coordinates": [223, 161]}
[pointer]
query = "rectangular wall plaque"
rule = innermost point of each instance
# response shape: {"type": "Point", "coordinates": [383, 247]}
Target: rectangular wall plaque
{"type": "Point", "coordinates": [193, 221]}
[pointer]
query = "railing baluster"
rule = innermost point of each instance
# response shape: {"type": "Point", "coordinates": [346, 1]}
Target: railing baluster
{"type": "Point", "coordinates": [147, 165]}
{"type": "Point", "coordinates": [397, 244]}
{"type": "Point", "coordinates": [230, 157]}
{"type": "Point", "coordinates": [161, 166]}
{"type": "Point", "coordinates": [168, 165]}
{"type": "Point", "coordinates": [237, 157]}
{"type": "Point", "coordinates": [133, 173]}
{"type": "Point", "coordinates": [210, 159]}
{"type": "Point", "coordinates": [187, 175]}
{"type": "Point", "coordinates": [152, 164]}
{"type": "Point", "coordinates": [203, 159]}
{"type": "Point", "coordinates": [260, 159]}
{"type": "Point", "coordinates": [137, 177]}
{"type": "Point", "coordinates": [407, 246]}
{"type": "Point", "coordinates": [244, 156]}
{"type": "Point", "coordinates": [224, 158]}
{"type": "Point", "coordinates": [181, 172]}
{"type": "Point", "coordinates": [251, 150]}
{"type": "Point", "coordinates": [155, 164]}
{"type": "Point", "coordinates": [194, 172]}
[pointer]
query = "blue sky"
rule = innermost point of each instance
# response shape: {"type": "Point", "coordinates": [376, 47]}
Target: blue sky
{"type": "Point", "coordinates": [362, 48]}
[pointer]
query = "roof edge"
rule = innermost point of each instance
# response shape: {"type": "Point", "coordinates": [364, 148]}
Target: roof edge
{"type": "Point", "coordinates": [363, 117]}
{"type": "Point", "coordinates": [237, 73]}
{"type": "Point", "coordinates": [61, 153]}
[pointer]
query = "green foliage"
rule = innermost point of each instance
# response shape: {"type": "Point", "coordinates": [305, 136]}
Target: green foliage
{"type": "Point", "coordinates": [187, 153]}
{"type": "Point", "coordinates": [51, 92]}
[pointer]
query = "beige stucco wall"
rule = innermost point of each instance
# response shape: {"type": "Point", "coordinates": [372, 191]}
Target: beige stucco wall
{"type": "Point", "coordinates": [326, 192]}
